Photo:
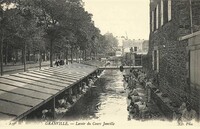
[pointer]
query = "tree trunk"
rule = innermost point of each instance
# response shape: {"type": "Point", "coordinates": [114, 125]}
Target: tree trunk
{"type": "Point", "coordinates": [90, 54]}
{"type": "Point", "coordinates": [1, 55]}
{"type": "Point", "coordinates": [66, 55]}
{"type": "Point", "coordinates": [24, 55]}
{"type": "Point", "coordinates": [40, 59]}
{"type": "Point", "coordinates": [28, 59]}
{"type": "Point", "coordinates": [85, 55]}
{"type": "Point", "coordinates": [45, 56]}
{"type": "Point", "coordinates": [22, 58]}
{"type": "Point", "coordinates": [51, 53]}
{"type": "Point", "coordinates": [71, 55]}
{"type": "Point", "coordinates": [80, 53]}
{"type": "Point", "coordinates": [96, 56]}
{"type": "Point", "coordinates": [16, 55]}
{"type": "Point", "coordinates": [6, 53]}
{"type": "Point", "coordinates": [77, 56]}
{"type": "Point", "coordinates": [35, 59]}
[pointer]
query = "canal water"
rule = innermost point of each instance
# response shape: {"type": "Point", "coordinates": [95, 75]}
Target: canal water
{"type": "Point", "coordinates": [107, 101]}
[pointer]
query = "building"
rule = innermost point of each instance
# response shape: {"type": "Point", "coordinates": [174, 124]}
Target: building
{"type": "Point", "coordinates": [174, 48]}
{"type": "Point", "coordinates": [145, 46]}
{"type": "Point", "coordinates": [139, 46]}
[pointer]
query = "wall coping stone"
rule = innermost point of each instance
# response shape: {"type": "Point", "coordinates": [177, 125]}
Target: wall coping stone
{"type": "Point", "coordinates": [189, 36]}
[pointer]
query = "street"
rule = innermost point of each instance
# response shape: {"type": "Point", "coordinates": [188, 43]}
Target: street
{"type": "Point", "coordinates": [11, 69]}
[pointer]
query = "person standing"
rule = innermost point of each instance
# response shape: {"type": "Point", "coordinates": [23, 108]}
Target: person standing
{"type": "Point", "coordinates": [189, 114]}
{"type": "Point", "coordinates": [148, 90]}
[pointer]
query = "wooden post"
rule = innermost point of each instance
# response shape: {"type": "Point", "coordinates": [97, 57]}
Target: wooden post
{"type": "Point", "coordinates": [53, 109]}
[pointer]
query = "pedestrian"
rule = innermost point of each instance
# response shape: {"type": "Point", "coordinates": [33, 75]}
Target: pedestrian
{"type": "Point", "coordinates": [47, 114]}
{"type": "Point", "coordinates": [84, 87]}
{"type": "Point", "coordinates": [121, 68]}
{"type": "Point", "coordinates": [133, 111]}
{"type": "Point", "coordinates": [131, 82]}
{"type": "Point", "coordinates": [141, 78]}
{"type": "Point", "coordinates": [142, 108]}
{"type": "Point", "coordinates": [135, 72]}
{"type": "Point", "coordinates": [189, 114]}
{"type": "Point", "coordinates": [125, 82]}
{"type": "Point", "coordinates": [62, 102]}
{"type": "Point", "coordinates": [148, 89]}
{"type": "Point", "coordinates": [14, 60]}
{"type": "Point", "coordinates": [178, 113]}
{"type": "Point", "coordinates": [56, 63]}
{"type": "Point", "coordinates": [91, 82]}
{"type": "Point", "coordinates": [129, 100]}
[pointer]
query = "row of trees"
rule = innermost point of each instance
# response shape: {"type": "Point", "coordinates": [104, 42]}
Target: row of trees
{"type": "Point", "coordinates": [49, 28]}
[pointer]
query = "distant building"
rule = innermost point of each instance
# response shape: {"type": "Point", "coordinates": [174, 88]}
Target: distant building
{"type": "Point", "coordinates": [119, 52]}
{"type": "Point", "coordinates": [137, 46]}
{"type": "Point", "coordinates": [145, 46]}
{"type": "Point", "coordinates": [174, 48]}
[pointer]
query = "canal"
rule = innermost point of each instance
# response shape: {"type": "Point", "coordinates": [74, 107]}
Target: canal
{"type": "Point", "coordinates": [108, 101]}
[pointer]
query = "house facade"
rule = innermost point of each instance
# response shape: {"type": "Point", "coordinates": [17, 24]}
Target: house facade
{"type": "Point", "coordinates": [174, 48]}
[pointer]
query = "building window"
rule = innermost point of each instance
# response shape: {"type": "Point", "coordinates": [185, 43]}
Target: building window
{"type": "Point", "coordinates": [155, 60]}
{"type": "Point", "coordinates": [169, 10]}
{"type": "Point", "coordinates": [195, 67]}
{"type": "Point", "coordinates": [135, 49]}
{"type": "Point", "coordinates": [165, 11]}
{"type": "Point", "coordinates": [161, 12]}
{"type": "Point", "coordinates": [157, 18]}
{"type": "Point", "coordinates": [152, 20]}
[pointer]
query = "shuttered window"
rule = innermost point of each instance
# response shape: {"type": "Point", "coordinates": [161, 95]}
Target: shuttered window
{"type": "Point", "coordinates": [195, 66]}
{"type": "Point", "coordinates": [161, 12]}
{"type": "Point", "coordinates": [152, 20]}
{"type": "Point", "coordinates": [169, 10]}
{"type": "Point", "coordinates": [157, 18]}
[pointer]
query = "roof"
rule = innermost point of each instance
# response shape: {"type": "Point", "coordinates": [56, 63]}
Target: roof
{"type": "Point", "coordinates": [22, 93]}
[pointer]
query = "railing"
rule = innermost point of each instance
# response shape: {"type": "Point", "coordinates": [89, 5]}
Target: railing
{"type": "Point", "coordinates": [117, 67]}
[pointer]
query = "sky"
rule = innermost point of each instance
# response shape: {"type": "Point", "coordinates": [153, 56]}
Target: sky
{"type": "Point", "coordinates": [121, 17]}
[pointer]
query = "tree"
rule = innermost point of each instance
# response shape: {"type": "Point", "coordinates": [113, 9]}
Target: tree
{"type": "Point", "coordinates": [106, 43]}
{"type": "Point", "coordinates": [112, 42]}
{"type": "Point", "coordinates": [36, 26]}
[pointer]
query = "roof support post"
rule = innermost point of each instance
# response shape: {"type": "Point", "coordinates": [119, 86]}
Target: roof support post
{"type": "Point", "coordinates": [53, 108]}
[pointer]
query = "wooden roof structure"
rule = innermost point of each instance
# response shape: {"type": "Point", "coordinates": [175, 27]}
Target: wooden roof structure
{"type": "Point", "coordinates": [22, 93]}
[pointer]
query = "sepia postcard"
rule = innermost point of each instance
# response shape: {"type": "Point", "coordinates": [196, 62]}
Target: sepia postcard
{"type": "Point", "coordinates": [99, 63]}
